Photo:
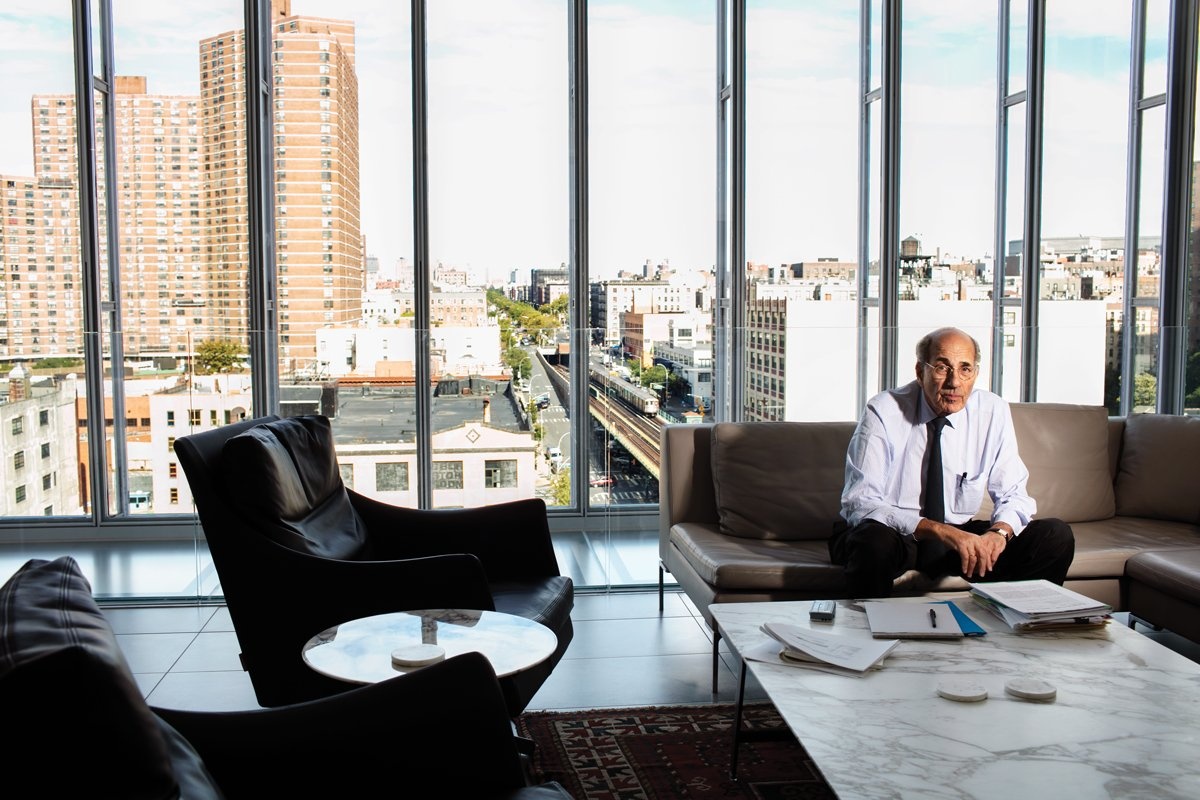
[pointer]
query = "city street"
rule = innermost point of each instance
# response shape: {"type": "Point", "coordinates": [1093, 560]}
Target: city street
{"type": "Point", "coordinates": [630, 483]}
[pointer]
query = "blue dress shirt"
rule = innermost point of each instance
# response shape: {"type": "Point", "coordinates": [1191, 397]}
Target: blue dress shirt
{"type": "Point", "coordinates": [885, 461]}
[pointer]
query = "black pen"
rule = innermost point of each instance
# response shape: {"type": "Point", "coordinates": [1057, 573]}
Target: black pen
{"type": "Point", "coordinates": [933, 617]}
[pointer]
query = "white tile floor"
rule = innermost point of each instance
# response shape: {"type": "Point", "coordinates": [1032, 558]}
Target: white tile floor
{"type": "Point", "coordinates": [625, 653]}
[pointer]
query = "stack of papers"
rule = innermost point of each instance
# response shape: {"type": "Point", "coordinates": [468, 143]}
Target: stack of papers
{"type": "Point", "coordinates": [1039, 605]}
{"type": "Point", "coordinates": [843, 654]}
{"type": "Point", "coordinates": [934, 620]}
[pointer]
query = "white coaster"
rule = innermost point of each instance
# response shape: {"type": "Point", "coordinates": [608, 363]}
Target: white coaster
{"type": "Point", "coordinates": [417, 655]}
{"type": "Point", "coordinates": [961, 690]}
{"type": "Point", "coordinates": [1031, 689]}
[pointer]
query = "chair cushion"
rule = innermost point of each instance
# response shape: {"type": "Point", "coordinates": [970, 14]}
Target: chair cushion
{"type": "Point", "coordinates": [779, 480]}
{"type": "Point", "coordinates": [1157, 474]}
{"type": "Point", "coordinates": [284, 475]}
{"type": "Point", "coordinates": [1065, 448]}
{"type": "Point", "coordinates": [75, 717]}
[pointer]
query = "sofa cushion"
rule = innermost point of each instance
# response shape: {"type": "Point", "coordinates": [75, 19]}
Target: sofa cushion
{"type": "Point", "coordinates": [75, 716]}
{"type": "Point", "coordinates": [284, 475]}
{"type": "Point", "coordinates": [729, 563]}
{"type": "Point", "coordinates": [779, 480]}
{"type": "Point", "coordinates": [1103, 546]}
{"type": "Point", "coordinates": [1175, 573]}
{"type": "Point", "coordinates": [1157, 477]}
{"type": "Point", "coordinates": [1065, 448]}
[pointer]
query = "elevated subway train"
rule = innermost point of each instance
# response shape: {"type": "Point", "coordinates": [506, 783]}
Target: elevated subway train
{"type": "Point", "coordinates": [631, 394]}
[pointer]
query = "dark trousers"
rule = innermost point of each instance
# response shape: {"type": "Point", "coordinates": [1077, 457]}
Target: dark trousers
{"type": "Point", "coordinates": [875, 554]}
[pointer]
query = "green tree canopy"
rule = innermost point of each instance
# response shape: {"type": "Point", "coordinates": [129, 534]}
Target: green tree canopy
{"type": "Point", "coordinates": [1192, 380]}
{"type": "Point", "coordinates": [656, 374]}
{"type": "Point", "coordinates": [58, 362]}
{"type": "Point", "coordinates": [518, 361]}
{"type": "Point", "coordinates": [1145, 389]}
{"type": "Point", "coordinates": [556, 308]}
{"type": "Point", "coordinates": [217, 355]}
{"type": "Point", "coordinates": [560, 487]}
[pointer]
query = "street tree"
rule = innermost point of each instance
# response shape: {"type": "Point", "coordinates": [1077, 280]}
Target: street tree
{"type": "Point", "coordinates": [217, 355]}
{"type": "Point", "coordinates": [560, 487]}
{"type": "Point", "coordinates": [1145, 389]}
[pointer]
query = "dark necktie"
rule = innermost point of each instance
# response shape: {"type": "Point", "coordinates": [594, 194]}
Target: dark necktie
{"type": "Point", "coordinates": [934, 507]}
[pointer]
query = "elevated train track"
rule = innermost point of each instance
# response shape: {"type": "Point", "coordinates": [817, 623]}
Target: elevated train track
{"type": "Point", "coordinates": [638, 432]}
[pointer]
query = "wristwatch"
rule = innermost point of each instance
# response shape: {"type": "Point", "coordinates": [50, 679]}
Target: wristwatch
{"type": "Point", "coordinates": [1008, 535]}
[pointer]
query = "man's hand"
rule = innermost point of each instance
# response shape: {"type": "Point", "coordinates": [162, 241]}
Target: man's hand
{"type": "Point", "coordinates": [978, 553]}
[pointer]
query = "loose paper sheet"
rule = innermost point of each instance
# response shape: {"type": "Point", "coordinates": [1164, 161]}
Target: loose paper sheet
{"type": "Point", "coordinates": [856, 651]}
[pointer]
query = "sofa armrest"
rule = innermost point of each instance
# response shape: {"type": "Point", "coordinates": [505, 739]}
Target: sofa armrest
{"type": "Point", "coordinates": [685, 479]}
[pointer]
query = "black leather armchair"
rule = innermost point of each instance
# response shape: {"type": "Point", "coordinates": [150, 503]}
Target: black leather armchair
{"type": "Point", "coordinates": [297, 552]}
{"type": "Point", "coordinates": [78, 726]}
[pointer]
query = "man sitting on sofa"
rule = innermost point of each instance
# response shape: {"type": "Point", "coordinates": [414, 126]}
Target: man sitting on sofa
{"type": "Point", "coordinates": [916, 469]}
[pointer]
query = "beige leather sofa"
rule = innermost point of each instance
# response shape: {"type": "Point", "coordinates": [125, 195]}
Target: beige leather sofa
{"type": "Point", "coordinates": [747, 508]}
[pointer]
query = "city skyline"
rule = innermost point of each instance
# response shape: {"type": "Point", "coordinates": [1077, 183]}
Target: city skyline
{"type": "Point", "coordinates": [500, 203]}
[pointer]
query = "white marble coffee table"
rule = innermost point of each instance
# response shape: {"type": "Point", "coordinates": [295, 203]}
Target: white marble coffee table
{"type": "Point", "coordinates": [360, 651]}
{"type": "Point", "coordinates": [1125, 723]}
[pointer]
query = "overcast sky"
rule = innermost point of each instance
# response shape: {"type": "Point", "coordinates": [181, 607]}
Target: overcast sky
{"type": "Point", "coordinates": [498, 122]}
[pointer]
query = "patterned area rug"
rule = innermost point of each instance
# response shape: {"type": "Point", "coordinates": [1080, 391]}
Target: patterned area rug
{"type": "Point", "coordinates": [667, 752]}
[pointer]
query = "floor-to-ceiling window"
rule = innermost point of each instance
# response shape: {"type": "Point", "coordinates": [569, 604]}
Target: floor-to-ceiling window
{"type": "Point", "coordinates": [502, 244]}
{"type": "Point", "coordinates": [498, 215]}
{"type": "Point", "coordinates": [650, 258]}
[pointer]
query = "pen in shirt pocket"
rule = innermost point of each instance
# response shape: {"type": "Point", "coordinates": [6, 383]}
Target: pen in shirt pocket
{"type": "Point", "coordinates": [962, 479]}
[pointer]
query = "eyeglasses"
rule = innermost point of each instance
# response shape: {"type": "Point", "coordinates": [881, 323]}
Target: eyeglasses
{"type": "Point", "coordinates": [965, 371]}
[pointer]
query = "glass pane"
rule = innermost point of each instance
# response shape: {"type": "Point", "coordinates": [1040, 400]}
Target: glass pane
{"type": "Point", "coordinates": [1158, 31]}
{"type": "Point", "coordinates": [106, 263]}
{"type": "Point", "coordinates": [652, 146]}
{"type": "Point", "coordinates": [41, 319]}
{"type": "Point", "coordinates": [172, 219]}
{"type": "Point", "coordinates": [1083, 197]}
{"type": "Point", "coordinates": [868, 331]}
{"type": "Point", "coordinates": [342, 150]}
{"type": "Point", "coordinates": [802, 171]}
{"type": "Point", "coordinates": [948, 153]}
{"type": "Point", "coordinates": [1018, 44]}
{"type": "Point", "coordinates": [499, 217]}
{"type": "Point", "coordinates": [1010, 259]}
{"type": "Point", "coordinates": [1147, 286]}
{"type": "Point", "coordinates": [317, 116]}
{"type": "Point", "coordinates": [875, 79]}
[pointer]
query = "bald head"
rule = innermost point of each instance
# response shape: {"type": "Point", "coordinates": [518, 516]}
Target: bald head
{"type": "Point", "coordinates": [928, 340]}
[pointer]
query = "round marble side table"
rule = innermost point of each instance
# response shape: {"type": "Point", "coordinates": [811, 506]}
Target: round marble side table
{"type": "Point", "coordinates": [360, 651]}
